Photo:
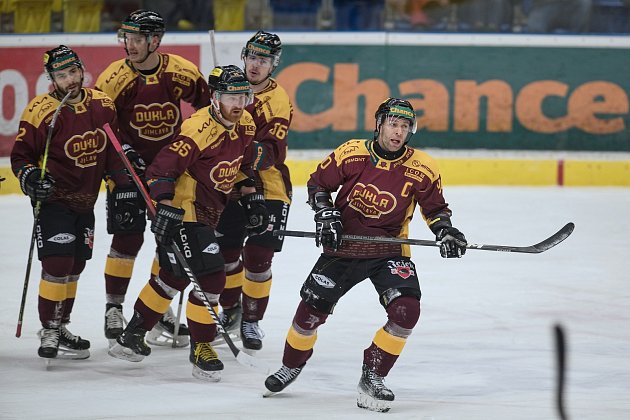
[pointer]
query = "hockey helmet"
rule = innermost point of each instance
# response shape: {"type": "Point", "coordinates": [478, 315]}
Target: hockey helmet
{"type": "Point", "coordinates": [264, 44]}
{"type": "Point", "coordinates": [395, 108]}
{"type": "Point", "coordinates": [229, 80]}
{"type": "Point", "coordinates": [60, 58]}
{"type": "Point", "coordinates": [143, 22]}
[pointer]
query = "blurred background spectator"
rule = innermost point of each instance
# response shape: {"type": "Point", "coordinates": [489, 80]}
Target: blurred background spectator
{"type": "Point", "coordinates": [465, 16]}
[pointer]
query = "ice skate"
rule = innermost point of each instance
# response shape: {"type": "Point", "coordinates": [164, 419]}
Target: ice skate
{"type": "Point", "coordinates": [49, 343]}
{"type": "Point", "coordinates": [72, 346]}
{"type": "Point", "coordinates": [231, 318]}
{"type": "Point", "coordinates": [130, 344]}
{"type": "Point", "coordinates": [281, 379]}
{"type": "Point", "coordinates": [373, 394]}
{"type": "Point", "coordinates": [251, 335]}
{"type": "Point", "coordinates": [206, 363]}
{"type": "Point", "coordinates": [114, 322]}
{"type": "Point", "coordinates": [163, 332]}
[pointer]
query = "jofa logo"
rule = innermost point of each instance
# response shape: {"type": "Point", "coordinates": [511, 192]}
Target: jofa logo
{"type": "Point", "coordinates": [62, 238]}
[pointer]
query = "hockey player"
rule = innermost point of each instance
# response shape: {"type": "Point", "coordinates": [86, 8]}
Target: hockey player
{"type": "Point", "coordinates": [147, 88]}
{"type": "Point", "coordinates": [191, 180]}
{"type": "Point", "coordinates": [378, 184]}
{"type": "Point", "coordinates": [77, 158]}
{"type": "Point", "coordinates": [248, 267]}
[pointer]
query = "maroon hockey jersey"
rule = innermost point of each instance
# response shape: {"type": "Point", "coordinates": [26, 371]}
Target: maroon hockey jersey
{"type": "Point", "coordinates": [149, 109]}
{"type": "Point", "coordinates": [199, 169]}
{"type": "Point", "coordinates": [79, 155]}
{"type": "Point", "coordinates": [377, 197]}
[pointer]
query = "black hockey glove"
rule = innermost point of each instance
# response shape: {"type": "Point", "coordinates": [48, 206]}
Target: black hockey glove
{"type": "Point", "coordinates": [34, 186]}
{"type": "Point", "coordinates": [328, 228]}
{"type": "Point", "coordinates": [166, 223]}
{"type": "Point", "coordinates": [125, 210]}
{"type": "Point", "coordinates": [452, 242]}
{"type": "Point", "coordinates": [135, 159]}
{"type": "Point", "coordinates": [256, 212]}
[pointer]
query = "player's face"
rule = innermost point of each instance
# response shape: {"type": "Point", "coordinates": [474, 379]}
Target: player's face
{"type": "Point", "coordinates": [393, 133]}
{"type": "Point", "coordinates": [232, 105]}
{"type": "Point", "coordinates": [137, 46]}
{"type": "Point", "coordinates": [257, 68]}
{"type": "Point", "coordinates": [68, 79]}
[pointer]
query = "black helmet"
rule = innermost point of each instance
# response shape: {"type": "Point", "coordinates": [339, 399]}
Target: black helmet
{"type": "Point", "coordinates": [398, 108]}
{"type": "Point", "coordinates": [143, 22]}
{"type": "Point", "coordinates": [59, 58]}
{"type": "Point", "coordinates": [229, 79]}
{"type": "Point", "coordinates": [265, 44]}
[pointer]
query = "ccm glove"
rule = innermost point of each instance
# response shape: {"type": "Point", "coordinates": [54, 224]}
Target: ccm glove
{"type": "Point", "coordinates": [452, 242]}
{"type": "Point", "coordinates": [34, 186]}
{"type": "Point", "coordinates": [135, 159]}
{"type": "Point", "coordinates": [256, 213]}
{"type": "Point", "coordinates": [166, 223]}
{"type": "Point", "coordinates": [328, 228]}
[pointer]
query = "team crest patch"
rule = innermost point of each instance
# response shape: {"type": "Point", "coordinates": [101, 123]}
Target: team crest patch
{"type": "Point", "coordinates": [224, 174]}
{"type": "Point", "coordinates": [85, 148]}
{"type": "Point", "coordinates": [370, 201]}
{"type": "Point", "coordinates": [155, 121]}
{"type": "Point", "coordinates": [213, 248]}
{"type": "Point", "coordinates": [403, 269]}
{"type": "Point", "coordinates": [323, 281]}
{"type": "Point", "coordinates": [62, 238]}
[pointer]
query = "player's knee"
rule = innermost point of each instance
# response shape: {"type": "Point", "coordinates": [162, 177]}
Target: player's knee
{"type": "Point", "coordinates": [316, 301]}
{"type": "Point", "coordinates": [231, 255]}
{"type": "Point", "coordinates": [58, 265]}
{"type": "Point", "coordinates": [308, 317]}
{"type": "Point", "coordinates": [404, 312]}
{"type": "Point", "coordinates": [257, 259]}
{"type": "Point", "coordinates": [77, 267]}
{"type": "Point", "coordinates": [128, 244]}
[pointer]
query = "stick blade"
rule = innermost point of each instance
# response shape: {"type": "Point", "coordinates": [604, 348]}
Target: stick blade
{"type": "Point", "coordinates": [252, 362]}
{"type": "Point", "coordinates": [555, 239]}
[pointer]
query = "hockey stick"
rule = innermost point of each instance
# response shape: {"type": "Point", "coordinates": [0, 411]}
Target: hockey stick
{"type": "Point", "coordinates": [38, 205]}
{"type": "Point", "coordinates": [543, 246]}
{"type": "Point", "coordinates": [213, 47]}
{"type": "Point", "coordinates": [177, 318]}
{"type": "Point", "coordinates": [561, 350]}
{"type": "Point", "coordinates": [241, 357]}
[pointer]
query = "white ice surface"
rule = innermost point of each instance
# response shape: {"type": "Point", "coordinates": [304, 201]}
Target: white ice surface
{"type": "Point", "coordinates": [483, 348]}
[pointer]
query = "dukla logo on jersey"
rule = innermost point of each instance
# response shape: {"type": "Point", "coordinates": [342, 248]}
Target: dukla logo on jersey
{"type": "Point", "coordinates": [370, 201]}
{"type": "Point", "coordinates": [155, 121]}
{"type": "Point", "coordinates": [84, 148]}
{"type": "Point", "coordinates": [404, 269]}
{"type": "Point", "coordinates": [224, 175]}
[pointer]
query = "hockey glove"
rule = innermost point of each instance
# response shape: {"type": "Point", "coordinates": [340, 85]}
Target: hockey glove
{"type": "Point", "coordinates": [328, 228]}
{"type": "Point", "coordinates": [452, 242]}
{"type": "Point", "coordinates": [125, 210]}
{"type": "Point", "coordinates": [34, 186]}
{"type": "Point", "coordinates": [135, 159]}
{"type": "Point", "coordinates": [166, 223]}
{"type": "Point", "coordinates": [256, 213]}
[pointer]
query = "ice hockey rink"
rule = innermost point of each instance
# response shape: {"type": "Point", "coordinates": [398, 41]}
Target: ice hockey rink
{"type": "Point", "coordinates": [483, 348]}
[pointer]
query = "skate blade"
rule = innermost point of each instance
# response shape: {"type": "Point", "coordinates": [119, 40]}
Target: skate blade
{"type": "Point", "coordinates": [124, 353]}
{"type": "Point", "coordinates": [111, 342]}
{"type": "Point", "coordinates": [206, 375]}
{"type": "Point", "coordinates": [158, 336]}
{"type": "Point", "coordinates": [72, 354]}
{"type": "Point", "coordinates": [266, 393]}
{"type": "Point", "coordinates": [370, 403]}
